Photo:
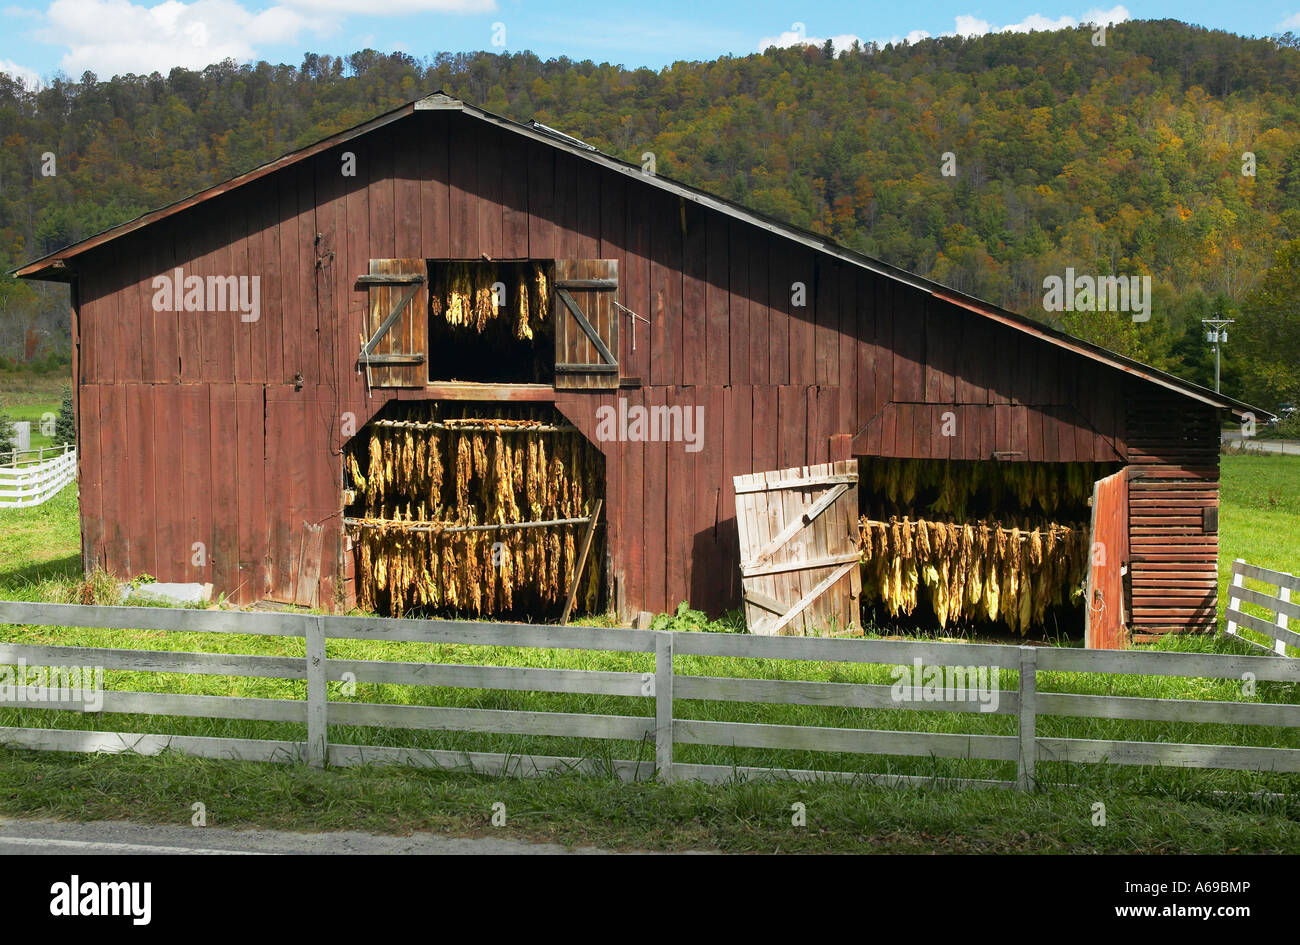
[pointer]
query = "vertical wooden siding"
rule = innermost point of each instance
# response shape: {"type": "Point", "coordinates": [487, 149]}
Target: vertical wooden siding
{"type": "Point", "coordinates": [777, 375]}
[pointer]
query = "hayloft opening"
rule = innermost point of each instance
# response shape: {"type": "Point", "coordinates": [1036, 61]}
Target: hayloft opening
{"type": "Point", "coordinates": [491, 322]}
{"type": "Point", "coordinates": [976, 547]}
{"type": "Point", "coordinates": [472, 509]}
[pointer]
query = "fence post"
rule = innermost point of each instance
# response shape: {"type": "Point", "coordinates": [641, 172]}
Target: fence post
{"type": "Point", "coordinates": [1233, 602]}
{"type": "Point", "coordinates": [1028, 717]}
{"type": "Point", "coordinates": [1284, 594]}
{"type": "Point", "coordinates": [664, 704]}
{"type": "Point", "coordinates": [317, 693]}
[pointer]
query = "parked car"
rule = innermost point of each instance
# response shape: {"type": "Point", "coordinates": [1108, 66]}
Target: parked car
{"type": "Point", "coordinates": [1283, 412]}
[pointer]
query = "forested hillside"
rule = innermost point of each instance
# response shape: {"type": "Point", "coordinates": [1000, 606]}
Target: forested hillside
{"type": "Point", "coordinates": [1125, 158]}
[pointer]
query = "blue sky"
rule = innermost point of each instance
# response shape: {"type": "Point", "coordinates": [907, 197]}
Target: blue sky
{"type": "Point", "coordinates": [117, 36]}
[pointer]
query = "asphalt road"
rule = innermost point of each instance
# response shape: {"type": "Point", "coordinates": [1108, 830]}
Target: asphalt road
{"type": "Point", "coordinates": [1264, 446]}
{"type": "Point", "coordinates": [45, 837]}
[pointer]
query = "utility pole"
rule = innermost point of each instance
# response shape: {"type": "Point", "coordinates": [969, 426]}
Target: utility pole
{"type": "Point", "coordinates": [1216, 336]}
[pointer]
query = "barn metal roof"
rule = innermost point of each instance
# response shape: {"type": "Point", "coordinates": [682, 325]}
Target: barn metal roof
{"type": "Point", "coordinates": [54, 266]}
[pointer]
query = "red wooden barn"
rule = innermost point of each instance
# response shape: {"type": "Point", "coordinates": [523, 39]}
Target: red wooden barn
{"type": "Point", "coordinates": [209, 439]}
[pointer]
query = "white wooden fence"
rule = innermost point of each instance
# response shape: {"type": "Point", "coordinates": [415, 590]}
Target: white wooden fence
{"type": "Point", "coordinates": [667, 686]}
{"type": "Point", "coordinates": [36, 479]}
{"type": "Point", "coordinates": [1280, 605]}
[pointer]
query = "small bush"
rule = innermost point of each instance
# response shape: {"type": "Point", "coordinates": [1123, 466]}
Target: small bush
{"type": "Point", "coordinates": [100, 588]}
{"type": "Point", "coordinates": [687, 619]}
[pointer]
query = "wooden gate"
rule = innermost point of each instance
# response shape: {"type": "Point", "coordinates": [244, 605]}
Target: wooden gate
{"type": "Point", "coordinates": [799, 549]}
{"type": "Point", "coordinates": [1104, 618]}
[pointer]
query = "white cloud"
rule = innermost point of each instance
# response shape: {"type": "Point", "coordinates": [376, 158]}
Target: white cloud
{"type": "Point", "coordinates": [1116, 14]}
{"type": "Point", "coordinates": [974, 26]}
{"type": "Point", "coordinates": [915, 36]}
{"type": "Point", "coordinates": [1292, 22]}
{"type": "Point", "coordinates": [967, 25]}
{"type": "Point", "coordinates": [1037, 21]}
{"type": "Point", "coordinates": [279, 24]}
{"type": "Point", "coordinates": [113, 37]}
{"type": "Point", "coordinates": [797, 37]}
{"type": "Point", "coordinates": [118, 36]}
{"type": "Point", "coordinates": [27, 77]}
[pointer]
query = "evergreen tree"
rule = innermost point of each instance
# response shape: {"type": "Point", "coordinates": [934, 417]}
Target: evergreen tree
{"type": "Point", "coordinates": [65, 428]}
{"type": "Point", "coordinates": [6, 433]}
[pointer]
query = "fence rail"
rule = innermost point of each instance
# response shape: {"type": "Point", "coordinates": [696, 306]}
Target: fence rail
{"type": "Point", "coordinates": [25, 485]}
{"type": "Point", "coordinates": [1279, 604]}
{"type": "Point", "coordinates": [665, 685]}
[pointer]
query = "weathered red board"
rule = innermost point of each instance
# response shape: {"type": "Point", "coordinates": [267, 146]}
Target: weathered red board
{"type": "Point", "coordinates": [1104, 604]}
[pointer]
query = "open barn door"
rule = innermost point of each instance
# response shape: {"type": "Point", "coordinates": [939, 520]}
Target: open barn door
{"type": "Point", "coordinates": [1104, 619]}
{"type": "Point", "coordinates": [586, 325]}
{"type": "Point", "coordinates": [394, 349]}
{"type": "Point", "coordinates": [799, 549]}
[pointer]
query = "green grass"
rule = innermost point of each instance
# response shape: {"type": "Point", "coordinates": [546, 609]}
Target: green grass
{"type": "Point", "coordinates": [28, 395]}
{"type": "Point", "coordinates": [25, 388]}
{"type": "Point", "coordinates": [40, 548]}
{"type": "Point", "coordinates": [1259, 512]}
{"type": "Point", "coordinates": [738, 818]}
{"type": "Point", "coordinates": [1149, 809]}
{"type": "Point", "coordinates": [34, 413]}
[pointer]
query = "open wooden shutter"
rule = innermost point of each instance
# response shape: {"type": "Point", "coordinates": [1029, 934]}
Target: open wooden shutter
{"type": "Point", "coordinates": [586, 323]}
{"type": "Point", "coordinates": [799, 549]}
{"type": "Point", "coordinates": [393, 352]}
{"type": "Point", "coordinates": [1104, 622]}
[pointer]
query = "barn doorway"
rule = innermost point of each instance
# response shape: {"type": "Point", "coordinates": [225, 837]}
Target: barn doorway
{"type": "Point", "coordinates": [491, 322]}
{"type": "Point", "coordinates": [475, 509]}
{"type": "Point", "coordinates": [540, 323]}
{"type": "Point", "coordinates": [994, 549]}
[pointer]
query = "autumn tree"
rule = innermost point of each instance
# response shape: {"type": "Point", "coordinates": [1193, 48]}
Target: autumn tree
{"type": "Point", "coordinates": [1267, 334]}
